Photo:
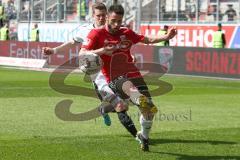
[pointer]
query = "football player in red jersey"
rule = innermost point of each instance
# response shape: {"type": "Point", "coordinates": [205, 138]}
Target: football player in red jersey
{"type": "Point", "coordinates": [113, 44]}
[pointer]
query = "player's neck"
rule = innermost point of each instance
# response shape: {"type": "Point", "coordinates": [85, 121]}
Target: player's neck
{"type": "Point", "coordinates": [108, 28]}
{"type": "Point", "coordinates": [97, 26]}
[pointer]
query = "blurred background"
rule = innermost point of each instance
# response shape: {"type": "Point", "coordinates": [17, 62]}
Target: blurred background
{"type": "Point", "coordinates": [157, 11]}
{"type": "Point", "coordinates": [198, 119]}
{"type": "Point", "coordinates": [143, 16]}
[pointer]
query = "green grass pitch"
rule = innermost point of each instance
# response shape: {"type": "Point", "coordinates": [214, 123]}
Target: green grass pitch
{"type": "Point", "coordinates": [198, 119]}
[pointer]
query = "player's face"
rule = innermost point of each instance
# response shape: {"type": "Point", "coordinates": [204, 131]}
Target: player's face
{"type": "Point", "coordinates": [114, 22]}
{"type": "Point", "coordinates": [99, 17]}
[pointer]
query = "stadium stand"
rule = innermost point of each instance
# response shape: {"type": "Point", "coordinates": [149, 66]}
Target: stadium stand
{"type": "Point", "coordinates": [185, 11]}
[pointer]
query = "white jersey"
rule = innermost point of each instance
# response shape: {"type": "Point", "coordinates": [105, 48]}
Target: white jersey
{"type": "Point", "coordinates": [98, 78]}
{"type": "Point", "coordinates": [85, 30]}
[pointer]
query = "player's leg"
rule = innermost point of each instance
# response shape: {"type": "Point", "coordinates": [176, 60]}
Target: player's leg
{"type": "Point", "coordinates": [126, 88]}
{"type": "Point", "coordinates": [146, 116]}
{"type": "Point", "coordinates": [105, 93]}
{"type": "Point", "coordinates": [143, 135]}
{"type": "Point", "coordinates": [121, 109]}
{"type": "Point", "coordinates": [127, 122]}
{"type": "Point", "coordinates": [103, 110]}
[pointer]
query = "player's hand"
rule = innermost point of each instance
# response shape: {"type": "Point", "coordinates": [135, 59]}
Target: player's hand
{"type": "Point", "coordinates": [47, 51]}
{"type": "Point", "coordinates": [172, 32]}
{"type": "Point", "coordinates": [109, 49]}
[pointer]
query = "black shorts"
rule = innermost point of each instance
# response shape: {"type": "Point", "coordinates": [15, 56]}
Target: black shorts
{"type": "Point", "coordinates": [139, 83]}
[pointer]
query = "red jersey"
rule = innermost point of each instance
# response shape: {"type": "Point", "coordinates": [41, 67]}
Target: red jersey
{"type": "Point", "coordinates": [120, 63]}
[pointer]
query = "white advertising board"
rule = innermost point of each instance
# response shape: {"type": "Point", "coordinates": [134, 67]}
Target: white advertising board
{"type": "Point", "coordinates": [22, 62]}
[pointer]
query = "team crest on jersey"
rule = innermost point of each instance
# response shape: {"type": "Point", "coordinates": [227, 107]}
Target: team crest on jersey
{"type": "Point", "coordinates": [123, 37]}
{"type": "Point", "coordinates": [122, 45]}
{"type": "Point", "coordinates": [125, 44]}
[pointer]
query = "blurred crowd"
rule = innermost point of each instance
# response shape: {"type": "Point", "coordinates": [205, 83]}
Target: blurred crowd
{"type": "Point", "coordinates": [227, 13]}
{"type": "Point", "coordinates": [80, 10]}
{"type": "Point", "coordinates": [7, 11]}
{"type": "Point", "coordinates": [54, 10]}
{"type": "Point", "coordinates": [191, 11]}
{"type": "Point", "coordinates": [8, 20]}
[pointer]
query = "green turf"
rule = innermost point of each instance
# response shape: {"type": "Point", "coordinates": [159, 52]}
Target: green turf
{"type": "Point", "coordinates": [198, 119]}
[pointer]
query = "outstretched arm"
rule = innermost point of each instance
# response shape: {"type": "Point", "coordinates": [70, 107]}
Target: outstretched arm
{"type": "Point", "coordinates": [171, 33]}
{"type": "Point", "coordinates": [60, 49]}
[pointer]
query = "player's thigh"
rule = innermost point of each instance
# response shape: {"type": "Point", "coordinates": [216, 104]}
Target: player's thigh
{"type": "Point", "coordinates": [141, 86]}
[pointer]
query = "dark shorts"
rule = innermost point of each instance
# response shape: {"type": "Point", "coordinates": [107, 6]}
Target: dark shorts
{"type": "Point", "coordinates": [139, 83]}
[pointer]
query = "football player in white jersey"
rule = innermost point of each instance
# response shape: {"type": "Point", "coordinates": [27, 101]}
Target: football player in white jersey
{"type": "Point", "coordinates": [99, 12]}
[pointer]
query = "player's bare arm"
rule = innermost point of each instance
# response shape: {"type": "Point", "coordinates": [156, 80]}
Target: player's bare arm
{"type": "Point", "coordinates": [60, 49]}
{"type": "Point", "coordinates": [99, 51]}
{"type": "Point", "coordinates": [107, 50]}
{"type": "Point", "coordinates": [171, 33]}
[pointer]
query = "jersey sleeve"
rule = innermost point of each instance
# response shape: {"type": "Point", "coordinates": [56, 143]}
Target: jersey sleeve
{"type": "Point", "coordinates": [135, 38]}
{"type": "Point", "coordinates": [78, 39]}
{"type": "Point", "coordinates": [81, 36]}
{"type": "Point", "coordinates": [90, 40]}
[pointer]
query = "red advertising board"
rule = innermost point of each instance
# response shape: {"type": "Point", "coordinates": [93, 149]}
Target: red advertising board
{"type": "Point", "coordinates": [179, 60]}
{"type": "Point", "coordinates": [143, 53]}
{"type": "Point", "coordinates": [213, 62]}
{"type": "Point", "coordinates": [192, 36]}
{"type": "Point", "coordinates": [33, 50]}
{"type": "Point", "coordinates": [209, 62]}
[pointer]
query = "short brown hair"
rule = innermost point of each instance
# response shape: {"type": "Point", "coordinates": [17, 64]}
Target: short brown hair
{"type": "Point", "coordinates": [99, 6]}
{"type": "Point", "coordinates": [117, 8]}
